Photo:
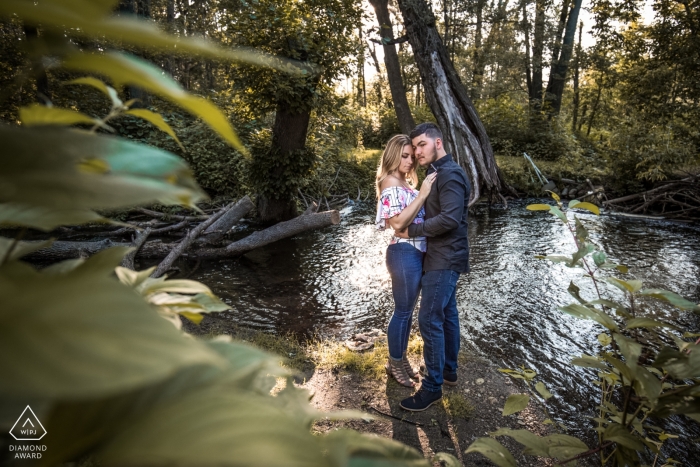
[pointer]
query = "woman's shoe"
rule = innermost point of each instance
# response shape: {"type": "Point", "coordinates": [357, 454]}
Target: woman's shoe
{"type": "Point", "coordinates": [409, 369]}
{"type": "Point", "coordinates": [395, 368]}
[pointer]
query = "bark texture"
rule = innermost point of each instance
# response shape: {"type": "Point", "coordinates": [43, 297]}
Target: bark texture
{"type": "Point", "coordinates": [288, 136]}
{"type": "Point", "coordinates": [464, 134]}
{"type": "Point", "coordinates": [61, 250]}
{"type": "Point", "coordinates": [393, 67]}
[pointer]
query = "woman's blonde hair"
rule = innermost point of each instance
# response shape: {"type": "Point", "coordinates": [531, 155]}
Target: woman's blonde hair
{"type": "Point", "coordinates": [391, 158]}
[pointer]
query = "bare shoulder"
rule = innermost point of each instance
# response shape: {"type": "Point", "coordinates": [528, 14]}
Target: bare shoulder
{"type": "Point", "coordinates": [388, 182]}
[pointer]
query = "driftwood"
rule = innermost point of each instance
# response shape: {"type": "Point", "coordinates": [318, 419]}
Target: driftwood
{"type": "Point", "coordinates": [137, 243]}
{"type": "Point", "coordinates": [160, 215]}
{"type": "Point", "coordinates": [218, 229]}
{"type": "Point", "coordinates": [187, 241]}
{"type": "Point", "coordinates": [678, 199]}
{"type": "Point", "coordinates": [60, 250]}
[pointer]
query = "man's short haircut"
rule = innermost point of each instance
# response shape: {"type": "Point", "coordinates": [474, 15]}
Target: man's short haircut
{"type": "Point", "coordinates": [428, 129]}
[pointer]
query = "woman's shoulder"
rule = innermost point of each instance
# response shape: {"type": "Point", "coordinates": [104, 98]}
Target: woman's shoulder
{"type": "Point", "coordinates": [388, 183]}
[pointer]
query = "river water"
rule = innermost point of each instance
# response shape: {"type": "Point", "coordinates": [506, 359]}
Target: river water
{"type": "Point", "coordinates": [334, 282]}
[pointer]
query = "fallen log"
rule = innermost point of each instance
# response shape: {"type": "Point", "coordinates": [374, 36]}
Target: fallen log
{"type": "Point", "coordinates": [643, 194]}
{"type": "Point", "coordinates": [160, 215]}
{"type": "Point", "coordinates": [188, 240]}
{"type": "Point", "coordinates": [137, 243]}
{"type": "Point", "coordinates": [60, 250]}
{"type": "Point", "coordinates": [218, 229]}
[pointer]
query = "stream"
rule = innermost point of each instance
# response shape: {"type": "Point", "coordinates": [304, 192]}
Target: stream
{"type": "Point", "coordinates": [334, 282]}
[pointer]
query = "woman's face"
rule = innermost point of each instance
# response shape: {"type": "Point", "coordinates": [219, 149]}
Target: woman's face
{"type": "Point", "coordinates": [407, 159]}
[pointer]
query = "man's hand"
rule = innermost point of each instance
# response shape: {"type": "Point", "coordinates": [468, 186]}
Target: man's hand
{"type": "Point", "coordinates": [401, 233]}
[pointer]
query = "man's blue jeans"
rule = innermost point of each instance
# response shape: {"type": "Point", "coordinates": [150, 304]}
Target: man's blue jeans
{"type": "Point", "coordinates": [405, 265]}
{"type": "Point", "coordinates": [438, 319]}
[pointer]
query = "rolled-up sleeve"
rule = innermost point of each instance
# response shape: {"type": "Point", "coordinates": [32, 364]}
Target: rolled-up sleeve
{"type": "Point", "coordinates": [452, 194]}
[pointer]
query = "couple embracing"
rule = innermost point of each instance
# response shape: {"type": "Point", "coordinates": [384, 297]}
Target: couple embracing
{"type": "Point", "coordinates": [428, 252]}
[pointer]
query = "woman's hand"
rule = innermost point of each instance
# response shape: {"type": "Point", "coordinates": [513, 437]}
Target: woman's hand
{"type": "Point", "coordinates": [427, 185]}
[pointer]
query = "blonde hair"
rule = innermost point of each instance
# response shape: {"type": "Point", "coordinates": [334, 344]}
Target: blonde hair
{"type": "Point", "coordinates": [390, 160]}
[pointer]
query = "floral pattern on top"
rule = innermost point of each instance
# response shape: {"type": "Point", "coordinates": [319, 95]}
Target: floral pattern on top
{"type": "Point", "coordinates": [392, 201]}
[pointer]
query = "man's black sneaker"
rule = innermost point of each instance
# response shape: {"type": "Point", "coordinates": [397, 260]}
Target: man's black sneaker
{"type": "Point", "coordinates": [421, 400]}
{"type": "Point", "coordinates": [448, 379]}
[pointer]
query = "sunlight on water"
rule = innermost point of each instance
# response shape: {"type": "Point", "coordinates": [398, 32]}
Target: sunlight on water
{"type": "Point", "coordinates": [334, 282]}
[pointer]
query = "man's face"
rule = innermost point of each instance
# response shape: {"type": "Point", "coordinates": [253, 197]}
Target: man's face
{"type": "Point", "coordinates": [425, 149]}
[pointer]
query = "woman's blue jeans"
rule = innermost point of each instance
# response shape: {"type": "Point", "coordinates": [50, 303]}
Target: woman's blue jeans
{"type": "Point", "coordinates": [405, 265]}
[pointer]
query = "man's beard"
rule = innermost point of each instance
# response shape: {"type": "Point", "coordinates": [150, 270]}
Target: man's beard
{"type": "Point", "coordinates": [434, 158]}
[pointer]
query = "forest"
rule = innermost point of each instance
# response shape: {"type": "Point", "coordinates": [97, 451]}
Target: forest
{"type": "Point", "coordinates": [187, 271]}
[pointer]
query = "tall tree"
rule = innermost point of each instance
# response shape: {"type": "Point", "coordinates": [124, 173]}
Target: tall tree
{"type": "Point", "coordinates": [537, 54]}
{"type": "Point", "coordinates": [560, 65]}
{"type": "Point", "coordinates": [393, 67]}
{"type": "Point", "coordinates": [465, 136]}
{"type": "Point", "coordinates": [314, 32]}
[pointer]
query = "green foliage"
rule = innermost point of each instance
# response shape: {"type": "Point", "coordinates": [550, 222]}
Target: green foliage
{"type": "Point", "coordinates": [89, 349]}
{"type": "Point", "coordinates": [646, 368]}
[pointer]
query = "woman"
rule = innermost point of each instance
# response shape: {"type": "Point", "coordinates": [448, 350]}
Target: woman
{"type": "Point", "coordinates": [400, 204]}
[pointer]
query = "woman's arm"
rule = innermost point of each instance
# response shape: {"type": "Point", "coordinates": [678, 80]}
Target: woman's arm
{"type": "Point", "coordinates": [405, 217]}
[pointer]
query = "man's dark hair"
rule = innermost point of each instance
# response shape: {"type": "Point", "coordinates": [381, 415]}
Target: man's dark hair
{"type": "Point", "coordinates": [428, 129]}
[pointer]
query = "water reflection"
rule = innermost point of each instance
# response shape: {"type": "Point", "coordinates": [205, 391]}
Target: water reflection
{"type": "Point", "coordinates": [334, 281]}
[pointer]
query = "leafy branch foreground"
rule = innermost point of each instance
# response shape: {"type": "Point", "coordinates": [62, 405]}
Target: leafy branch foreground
{"type": "Point", "coordinates": [646, 369]}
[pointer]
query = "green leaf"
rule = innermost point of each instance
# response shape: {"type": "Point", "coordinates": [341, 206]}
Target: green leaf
{"type": "Point", "coordinates": [620, 308]}
{"type": "Point", "coordinates": [582, 252]}
{"type": "Point", "coordinates": [556, 259]}
{"type": "Point", "coordinates": [588, 361]}
{"type": "Point", "coordinates": [111, 340]}
{"type": "Point", "coordinates": [647, 323]}
{"type": "Point", "coordinates": [604, 339]}
{"type": "Point", "coordinates": [534, 445]}
{"type": "Point", "coordinates": [681, 365]}
{"type": "Point", "coordinates": [585, 312]}
{"type": "Point", "coordinates": [83, 18]}
{"type": "Point", "coordinates": [515, 403]}
{"type": "Point", "coordinates": [574, 290]}
{"type": "Point", "coordinates": [493, 451]}
{"type": "Point", "coordinates": [672, 298]}
{"type": "Point", "coordinates": [538, 207]}
{"type": "Point", "coordinates": [128, 70]}
{"type": "Point", "coordinates": [631, 286]}
{"type": "Point", "coordinates": [543, 390]}
{"type": "Point", "coordinates": [625, 371]}
{"type": "Point", "coordinates": [599, 258]}
{"type": "Point", "coordinates": [557, 212]}
{"type": "Point", "coordinates": [156, 120]}
{"type": "Point", "coordinates": [18, 249]}
{"type": "Point", "coordinates": [573, 203]}
{"type": "Point", "coordinates": [446, 460]}
{"type": "Point", "coordinates": [581, 231]}
{"type": "Point", "coordinates": [564, 446]}
{"type": "Point", "coordinates": [619, 434]}
{"type": "Point", "coordinates": [109, 91]}
{"type": "Point", "coordinates": [584, 205]}
{"type": "Point", "coordinates": [629, 348]}
{"type": "Point", "coordinates": [37, 114]}
{"type": "Point", "coordinates": [73, 170]}
{"type": "Point", "coordinates": [45, 218]}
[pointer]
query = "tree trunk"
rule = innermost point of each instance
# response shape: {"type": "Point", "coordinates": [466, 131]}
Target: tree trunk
{"type": "Point", "coordinates": [526, 34]}
{"type": "Point", "coordinates": [577, 93]}
{"type": "Point", "coordinates": [556, 49]}
{"type": "Point", "coordinates": [379, 83]}
{"type": "Point", "coordinates": [288, 140]}
{"type": "Point", "coordinates": [557, 75]}
{"type": "Point", "coordinates": [61, 250]}
{"type": "Point", "coordinates": [478, 74]}
{"type": "Point", "coordinates": [464, 134]}
{"type": "Point", "coordinates": [537, 49]}
{"type": "Point", "coordinates": [393, 68]}
{"type": "Point", "coordinates": [43, 92]}
{"type": "Point", "coordinates": [361, 88]}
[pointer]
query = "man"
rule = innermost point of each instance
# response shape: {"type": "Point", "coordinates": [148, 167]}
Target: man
{"type": "Point", "coordinates": [445, 227]}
